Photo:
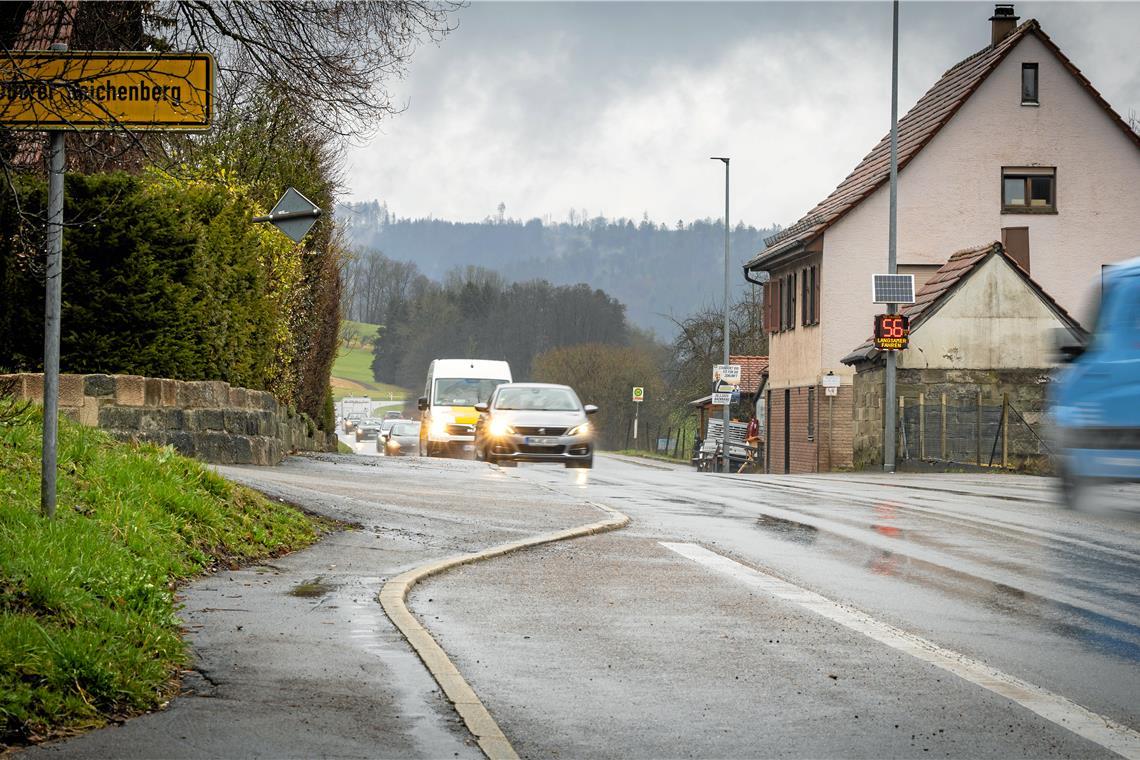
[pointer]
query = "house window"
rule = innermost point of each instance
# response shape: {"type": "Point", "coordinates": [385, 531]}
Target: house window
{"type": "Point", "coordinates": [1029, 84]}
{"type": "Point", "coordinates": [811, 414]}
{"type": "Point", "coordinates": [1029, 190]}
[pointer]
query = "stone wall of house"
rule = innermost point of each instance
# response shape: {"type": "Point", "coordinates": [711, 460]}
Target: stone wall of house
{"type": "Point", "coordinates": [941, 421]}
{"type": "Point", "coordinates": [209, 420]}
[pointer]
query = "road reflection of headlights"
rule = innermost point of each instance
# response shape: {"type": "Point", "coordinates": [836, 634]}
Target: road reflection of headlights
{"type": "Point", "coordinates": [582, 429]}
{"type": "Point", "coordinates": [499, 428]}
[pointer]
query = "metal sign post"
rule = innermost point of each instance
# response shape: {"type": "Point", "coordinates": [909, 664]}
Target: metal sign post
{"type": "Point", "coordinates": [53, 298]}
{"type": "Point", "coordinates": [892, 241]}
{"type": "Point", "coordinates": [638, 397]}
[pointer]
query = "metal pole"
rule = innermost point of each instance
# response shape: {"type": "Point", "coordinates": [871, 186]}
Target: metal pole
{"type": "Point", "coordinates": [892, 267]}
{"type": "Point", "coordinates": [636, 411]}
{"type": "Point", "coordinates": [726, 307]}
{"type": "Point", "coordinates": [52, 299]}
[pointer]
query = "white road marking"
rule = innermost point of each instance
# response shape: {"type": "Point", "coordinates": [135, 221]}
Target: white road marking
{"type": "Point", "coordinates": [1069, 715]}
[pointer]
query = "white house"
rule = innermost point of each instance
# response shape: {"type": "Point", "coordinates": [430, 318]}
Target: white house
{"type": "Point", "coordinates": [1011, 144]}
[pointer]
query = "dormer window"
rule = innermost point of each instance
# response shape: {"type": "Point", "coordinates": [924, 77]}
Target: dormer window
{"type": "Point", "coordinates": [1029, 84]}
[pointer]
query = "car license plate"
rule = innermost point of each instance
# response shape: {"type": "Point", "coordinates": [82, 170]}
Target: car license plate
{"type": "Point", "coordinates": [468, 447]}
{"type": "Point", "coordinates": [537, 441]}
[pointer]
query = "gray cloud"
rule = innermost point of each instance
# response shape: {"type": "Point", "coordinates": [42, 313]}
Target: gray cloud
{"type": "Point", "coordinates": [615, 107]}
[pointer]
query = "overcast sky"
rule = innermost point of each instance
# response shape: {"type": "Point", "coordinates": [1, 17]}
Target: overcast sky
{"type": "Point", "coordinates": [615, 107]}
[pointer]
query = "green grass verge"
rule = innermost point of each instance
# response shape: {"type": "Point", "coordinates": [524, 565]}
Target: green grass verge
{"type": "Point", "coordinates": [88, 630]}
{"type": "Point", "coordinates": [649, 455]}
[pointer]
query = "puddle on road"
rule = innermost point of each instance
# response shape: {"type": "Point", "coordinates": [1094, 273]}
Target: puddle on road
{"type": "Point", "coordinates": [789, 530]}
{"type": "Point", "coordinates": [312, 589]}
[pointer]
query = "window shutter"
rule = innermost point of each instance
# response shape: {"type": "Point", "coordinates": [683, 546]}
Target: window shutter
{"type": "Point", "coordinates": [767, 307]}
{"type": "Point", "coordinates": [815, 301]}
{"type": "Point", "coordinates": [805, 300]}
{"type": "Point", "coordinates": [792, 301]}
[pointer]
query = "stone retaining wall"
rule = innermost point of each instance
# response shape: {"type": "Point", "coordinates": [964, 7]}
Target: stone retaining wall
{"type": "Point", "coordinates": [209, 420]}
{"type": "Point", "coordinates": [1024, 388]}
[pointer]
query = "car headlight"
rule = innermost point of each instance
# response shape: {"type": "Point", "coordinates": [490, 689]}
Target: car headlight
{"type": "Point", "coordinates": [582, 429]}
{"type": "Point", "coordinates": [439, 426]}
{"type": "Point", "coordinates": [500, 428]}
{"type": "Point", "coordinates": [393, 444]}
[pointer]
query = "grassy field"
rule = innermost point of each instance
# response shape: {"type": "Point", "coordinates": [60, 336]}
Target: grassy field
{"type": "Point", "coordinates": [353, 368]}
{"type": "Point", "coordinates": [359, 334]}
{"type": "Point", "coordinates": [88, 631]}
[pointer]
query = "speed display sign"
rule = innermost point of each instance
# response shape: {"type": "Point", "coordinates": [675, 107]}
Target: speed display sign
{"type": "Point", "coordinates": [892, 332]}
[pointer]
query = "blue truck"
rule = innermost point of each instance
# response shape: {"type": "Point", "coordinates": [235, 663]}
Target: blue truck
{"type": "Point", "coordinates": [1094, 401]}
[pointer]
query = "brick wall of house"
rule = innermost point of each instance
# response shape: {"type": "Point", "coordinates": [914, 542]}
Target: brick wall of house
{"type": "Point", "coordinates": [836, 429]}
{"type": "Point", "coordinates": [803, 453]}
{"type": "Point", "coordinates": [775, 435]}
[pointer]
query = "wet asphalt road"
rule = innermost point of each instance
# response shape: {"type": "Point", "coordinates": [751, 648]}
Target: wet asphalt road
{"type": "Point", "coordinates": [619, 646]}
{"type": "Point", "coordinates": [614, 646]}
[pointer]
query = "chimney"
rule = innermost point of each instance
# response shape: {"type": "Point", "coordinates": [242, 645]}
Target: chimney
{"type": "Point", "coordinates": [1002, 22]}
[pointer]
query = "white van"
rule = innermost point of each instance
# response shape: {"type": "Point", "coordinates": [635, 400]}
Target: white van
{"type": "Point", "coordinates": [453, 388]}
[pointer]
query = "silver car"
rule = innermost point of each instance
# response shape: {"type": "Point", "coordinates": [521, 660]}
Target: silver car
{"type": "Point", "coordinates": [535, 422]}
{"type": "Point", "coordinates": [403, 439]}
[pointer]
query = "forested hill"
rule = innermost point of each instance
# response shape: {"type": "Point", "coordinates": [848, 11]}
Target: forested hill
{"type": "Point", "coordinates": [654, 269]}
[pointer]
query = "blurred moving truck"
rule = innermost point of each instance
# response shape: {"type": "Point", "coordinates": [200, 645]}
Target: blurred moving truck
{"type": "Point", "coordinates": [1094, 401]}
{"type": "Point", "coordinates": [453, 388]}
{"type": "Point", "coordinates": [353, 409]}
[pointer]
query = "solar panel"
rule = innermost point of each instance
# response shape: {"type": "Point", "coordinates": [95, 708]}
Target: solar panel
{"type": "Point", "coordinates": [892, 288]}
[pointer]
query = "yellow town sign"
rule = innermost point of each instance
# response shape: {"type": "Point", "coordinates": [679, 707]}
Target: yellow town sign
{"type": "Point", "coordinates": [100, 91]}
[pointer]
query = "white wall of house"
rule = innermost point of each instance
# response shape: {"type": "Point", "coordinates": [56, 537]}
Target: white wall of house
{"type": "Point", "coordinates": [950, 198]}
{"type": "Point", "coordinates": [994, 320]}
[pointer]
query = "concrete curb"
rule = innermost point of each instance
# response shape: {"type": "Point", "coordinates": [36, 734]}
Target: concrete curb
{"type": "Point", "coordinates": [392, 597]}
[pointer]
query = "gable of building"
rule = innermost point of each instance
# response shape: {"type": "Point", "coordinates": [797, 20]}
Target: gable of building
{"type": "Point", "coordinates": [916, 129]}
{"type": "Point", "coordinates": [979, 311]}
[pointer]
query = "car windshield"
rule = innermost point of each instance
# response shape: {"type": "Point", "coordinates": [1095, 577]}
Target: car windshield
{"type": "Point", "coordinates": [370, 421]}
{"type": "Point", "coordinates": [387, 424]}
{"type": "Point", "coordinates": [452, 391]}
{"type": "Point", "coordinates": [406, 428]}
{"type": "Point", "coordinates": [536, 399]}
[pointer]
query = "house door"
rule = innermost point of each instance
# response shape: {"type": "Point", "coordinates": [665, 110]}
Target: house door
{"type": "Point", "coordinates": [787, 430]}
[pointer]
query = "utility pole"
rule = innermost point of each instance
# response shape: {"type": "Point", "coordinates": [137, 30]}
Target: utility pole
{"type": "Point", "coordinates": [724, 445]}
{"type": "Point", "coordinates": [889, 403]}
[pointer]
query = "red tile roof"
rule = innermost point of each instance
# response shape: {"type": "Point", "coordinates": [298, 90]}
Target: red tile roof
{"type": "Point", "coordinates": [932, 111]}
{"type": "Point", "coordinates": [938, 288]}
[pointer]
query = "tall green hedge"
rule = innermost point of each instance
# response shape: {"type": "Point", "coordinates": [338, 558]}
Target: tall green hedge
{"type": "Point", "coordinates": [160, 277]}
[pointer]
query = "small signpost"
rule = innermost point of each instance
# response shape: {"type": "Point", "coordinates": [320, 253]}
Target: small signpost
{"type": "Point", "coordinates": [638, 397]}
{"type": "Point", "coordinates": [60, 91]}
{"type": "Point", "coordinates": [294, 215]}
{"type": "Point", "coordinates": [830, 383]}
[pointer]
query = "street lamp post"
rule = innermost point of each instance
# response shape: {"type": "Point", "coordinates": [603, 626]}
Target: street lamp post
{"type": "Point", "coordinates": [724, 444]}
{"type": "Point", "coordinates": [889, 392]}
